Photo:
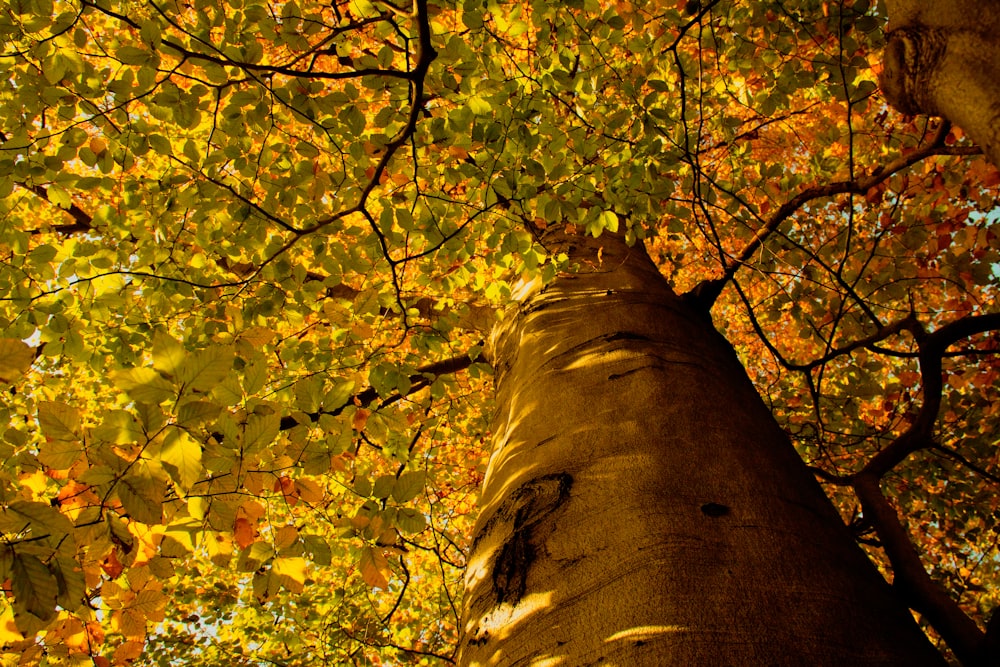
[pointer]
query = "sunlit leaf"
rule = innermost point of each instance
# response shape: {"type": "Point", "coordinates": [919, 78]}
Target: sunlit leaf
{"type": "Point", "coordinates": [181, 456]}
{"type": "Point", "coordinates": [144, 385]}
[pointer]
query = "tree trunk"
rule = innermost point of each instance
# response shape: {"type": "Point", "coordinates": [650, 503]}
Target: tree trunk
{"type": "Point", "coordinates": [642, 507]}
{"type": "Point", "coordinates": [943, 59]}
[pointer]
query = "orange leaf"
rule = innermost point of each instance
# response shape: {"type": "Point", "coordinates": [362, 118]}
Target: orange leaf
{"type": "Point", "coordinates": [374, 568]}
{"type": "Point", "coordinates": [243, 532]}
{"type": "Point", "coordinates": [360, 419]}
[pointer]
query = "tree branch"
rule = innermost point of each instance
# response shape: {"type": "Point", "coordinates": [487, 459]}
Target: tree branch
{"type": "Point", "coordinates": [708, 291]}
{"type": "Point", "coordinates": [423, 378]}
{"type": "Point", "coordinates": [910, 577]}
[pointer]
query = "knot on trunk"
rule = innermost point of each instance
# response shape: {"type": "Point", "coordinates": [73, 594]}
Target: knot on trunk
{"type": "Point", "coordinates": [529, 512]}
{"type": "Point", "coordinates": [912, 54]}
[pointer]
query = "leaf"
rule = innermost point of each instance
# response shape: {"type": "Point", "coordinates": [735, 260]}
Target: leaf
{"type": "Point", "coordinates": [35, 587]}
{"type": "Point", "coordinates": [244, 533]}
{"type": "Point", "coordinates": [181, 456]}
{"type": "Point", "coordinates": [71, 581]}
{"type": "Point", "coordinates": [150, 603]}
{"type": "Point", "coordinates": [119, 427]}
{"type": "Point", "coordinates": [479, 106]}
{"type": "Point", "coordinates": [254, 376]}
{"type": "Point", "coordinates": [58, 420]}
{"type": "Point", "coordinates": [261, 430]}
{"type": "Point", "coordinates": [408, 485]}
{"type": "Point", "coordinates": [160, 144]}
{"type": "Point", "coordinates": [142, 497]}
{"type": "Point", "coordinates": [16, 358]}
{"type": "Point", "coordinates": [205, 369]}
{"type": "Point", "coordinates": [383, 486]}
{"type": "Point", "coordinates": [9, 634]}
{"type": "Point", "coordinates": [197, 413]}
{"type": "Point", "coordinates": [338, 396]}
{"type": "Point", "coordinates": [131, 55]}
{"type": "Point", "coordinates": [609, 220]}
{"type": "Point", "coordinates": [360, 419]}
{"type": "Point", "coordinates": [60, 454]}
{"type": "Point", "coordinates": [144, 385]}
{"type": "Point", "coordinates": [291, 572]}
{"type": "Point", "coordinates": [168, 354]}
{"type": "Point", "coordinates": [40, 519]}
{"type": "Point", "coordinates": [410, 520]}
{"type": "Point", "coordinates": [374, 568]}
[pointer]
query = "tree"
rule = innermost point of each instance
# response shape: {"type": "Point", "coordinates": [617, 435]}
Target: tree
{"type": "Point", "coordinates": [260, 261]}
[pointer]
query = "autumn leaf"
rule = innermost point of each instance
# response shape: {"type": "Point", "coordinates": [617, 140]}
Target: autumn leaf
{"type": "Point", "coordinates": [291, 572]}
{"type": "Point", "coordinates": [16, 358]}
{"type": "Point", "coordinates": [360, 419]}
{"type": "Point", "coordinates": [35, 587]}
{"type": "Point", "coordinates": [374, 568]}
{"type": "Point", "coordinates": [59, 421]}
{"type": "Point", "coordinates": [181, 456]}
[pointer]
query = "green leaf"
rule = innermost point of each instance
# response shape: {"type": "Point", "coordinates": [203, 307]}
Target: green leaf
{"type": "Point", "coordinates": [609, 220]}
{"type": "Point", "coordinates": [479, 105]}
{"type": "Point", "coordinates": [58, 196]}
{"type": "Point", "coordinates": [131, 55]}
{"type": "Point", "coordinates": [160, 144]}
{"type": "Point", "coordinates": [339, 395]}
{"type": "Point", "coordinates": [383, 486]}
{"type": "Point", "coordinates": [408, 485]}
{"type": "Point", "coordinates": [410, 521]}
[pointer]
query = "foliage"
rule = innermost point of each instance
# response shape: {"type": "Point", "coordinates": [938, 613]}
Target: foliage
{"type": "Point", "coordinates": [250, 253]}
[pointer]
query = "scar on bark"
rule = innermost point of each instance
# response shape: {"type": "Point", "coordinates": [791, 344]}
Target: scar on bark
{"type": "Point", "coordinates": [531, 506]}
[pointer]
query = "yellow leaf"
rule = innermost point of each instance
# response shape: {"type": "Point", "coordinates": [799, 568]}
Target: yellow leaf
{"type": "Point", "coordinates": [168, 354]}
{"type": "Point", "coordinates": [8, 629]}
{"type": "Point", "coordinates": [15, 359]}
{"type": "Point", "coordinates": [144, 385]}
{"type": "Point", "coordinates": [181, 456]}
{"type": "Point", "coordinates": [291, 572]}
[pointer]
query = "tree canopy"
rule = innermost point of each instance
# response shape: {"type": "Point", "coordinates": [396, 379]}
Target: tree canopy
{"type": "Point", "coordinates": [250, 252]}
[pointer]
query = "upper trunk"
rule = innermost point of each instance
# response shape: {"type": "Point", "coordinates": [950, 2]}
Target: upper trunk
{"type": "Point", "coordinates": [943, 59]}
{"type": "Point", "coordinates": [642, 507]}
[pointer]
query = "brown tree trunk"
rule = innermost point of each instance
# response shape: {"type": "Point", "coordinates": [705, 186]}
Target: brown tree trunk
{"type": "Point", "coordinates": [642, 507]}
{"type": "Point", "coordinates": [943, 59]}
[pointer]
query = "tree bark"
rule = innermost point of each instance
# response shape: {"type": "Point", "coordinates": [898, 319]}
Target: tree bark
{"type": "Point", "coordinates": [642, 506]}
{"type": "Point", "coordinates": [943, 59]}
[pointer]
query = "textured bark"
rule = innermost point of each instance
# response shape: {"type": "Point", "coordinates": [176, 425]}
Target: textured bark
{"type": "Point", "coordinates": [642, 507]}
{"type": "Point", "coordinates": [943, 59]}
